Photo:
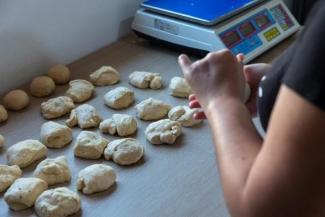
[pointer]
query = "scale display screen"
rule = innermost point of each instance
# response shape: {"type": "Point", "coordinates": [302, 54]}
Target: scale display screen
{"type": "Point", "coordinates": [247, 29]}
{"type": "Point", "coordinates": [209, 11]}
{"type": "Point", "coordinates": [231, 38]}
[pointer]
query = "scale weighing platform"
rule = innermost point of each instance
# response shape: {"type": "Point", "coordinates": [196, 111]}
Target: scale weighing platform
{"type": "Point", "coordinates": [250, 27]}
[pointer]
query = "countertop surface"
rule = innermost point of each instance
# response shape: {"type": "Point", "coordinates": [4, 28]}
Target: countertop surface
{"type": "Point", "coordinates": [171, 180]}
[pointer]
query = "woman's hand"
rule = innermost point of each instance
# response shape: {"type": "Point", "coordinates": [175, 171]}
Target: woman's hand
{"type": "Point", "coordinates": [216, 77]}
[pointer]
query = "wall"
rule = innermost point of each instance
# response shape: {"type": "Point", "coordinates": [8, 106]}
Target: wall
{"type": "Point", "coordinates": [35, 34]}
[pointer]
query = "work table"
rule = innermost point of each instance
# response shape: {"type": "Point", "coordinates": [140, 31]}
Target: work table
{"type": "Point", "coordinates": [171, 180]}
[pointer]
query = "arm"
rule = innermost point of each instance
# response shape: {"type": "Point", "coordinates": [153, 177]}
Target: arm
{"type": "Point", "coordinates": [282, 176]}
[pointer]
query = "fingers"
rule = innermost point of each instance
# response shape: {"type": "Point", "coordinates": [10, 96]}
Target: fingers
{"type": "Point", "coordinates": [199, 116]}
{"type": "Point", "coordinates": [194, 104]}
{"type": "Point", "coordinates": [240, 57]}
{"type": "Point", "coordinates": [192, 97]}
{"type": "Point", "coordinates": [184, 62]}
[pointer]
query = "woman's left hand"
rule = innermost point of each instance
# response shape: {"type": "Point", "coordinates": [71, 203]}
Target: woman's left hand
{"type": "Point", "coordinates": [216, 77]}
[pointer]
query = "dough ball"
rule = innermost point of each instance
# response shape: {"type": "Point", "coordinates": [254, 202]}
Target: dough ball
{"type": "Point", "coordinates": [55, 135]}
{"type": "Point", "coordinates": [60, 74]}
{"type": "Point", "coordinates": [163, 132]}
{"type": "Point", "coordinates": [96, 178]}
{"type": "Point", "coordinates": [179, 87]}
{"type": "Point", "coordinates": [8, 174]}
{"type": "Point", "coordinates": [16, 100]}
{"type": "Point", "coordinates": [2, 141]}
{"type": "Point", "coordinates": [3, 114]}
{"type": "Point", "coordinates": [146, 80]}
{"type": "Point", "coordinates": [53, 171]}
{"type": "Point", "coordinates": [123, 125]}
{"type": "Point", "coordinates": [124, 151]}
{"type": "Point", "coordinates": [42, 86]}
{"type": "Point", "coordinates": [57, 202]}
{"type": "Point", "coordinates": [152, 109]}
{"type": "Point", "coordinates": [119, 98]}
{"type": "Point", "coordinates": [26, 152]}
{"type": "Point", "coordinates": [105, 75]}
{"type": "Point", "coordinates": [57, 107]}
{"type": "Point", "coordinates": [23, 193]}
{"type": "Point", "coordinates": [184, 115]}
{"type": "Point", "coordinates": [80, 90]}
{"type": "Point", "coordinates": [85, 116]}
{"type": "Point", "coordinates": [89, 145]}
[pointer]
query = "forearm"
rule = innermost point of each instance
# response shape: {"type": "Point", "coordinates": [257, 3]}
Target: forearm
{"type": "Point", "coordinates": [237, 145]}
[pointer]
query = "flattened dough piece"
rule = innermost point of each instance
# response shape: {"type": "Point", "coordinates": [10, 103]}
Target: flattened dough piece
{"type": "Point", "coordinates": [124, 151]}
{"type": "Point", "coordinates": [184, 115]}
{"type": "Point", "coordinates": [163, 132]}
{"type": "Point", "coordinates": [146, 80]}
{"type": "Point", "coordinates": [26, 152]}
{"type": "Point", "coordinates": [80, 90]}
{"type": "Point", "coordinates": [119, 98]}
{"type": "Point", "coordinates": [8, 174]}
{"type": "Point", "coordinates": [53, 171]}
{"type": "Point", "coordinates": [96, 178]}
{"type": "Point", "coordinates": [152, 109]}
{"type": "Point", "coordinates": [85, 116]}
{"type": "Point", "coordinates": [2, 141]}
{"type": "Point", "coordinates": [57, 202]}
{"type": "Point", "coordinates": [55, 135]}
{"type": "Point", "coordinates": [23, 192]}
{"type": "Point", "coordinates": [179, 87]}
{"type": "Point", "coordinates": [105, 75]}
{"type": "Point", "coordinates": [57, 107]}
{"type": "Point", "coordinates": [123, 125]}
{"type": "Point", "coordinates": [89, 145]}
{"type": "Point", "coordinates": [3, 114]}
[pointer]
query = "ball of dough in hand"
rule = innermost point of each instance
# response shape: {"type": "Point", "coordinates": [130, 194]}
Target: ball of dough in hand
{"type": "Point", "coordinates": [124, 151]}
{"type": "Point", "coordinates": [16, 100]}
{"type": "Point", "coordinates": [8, 174]}
{"type": "Point", "coordinates": [96, 178]}
{"type": "Point", "coordinates": [60, 74]}
{"type": "Point", "coordinates": [23, 192]}
{"type": "Point", "coordinates": [42, 86]}
{"type": "Point", "coordinates": [3, 114]}
{"type": "Point", "coordinates": [58, 202]}
{"type": "Point", "coordinates": [105, 75]}
{"type": "Point", "coordinates": [152, 109]}
{"type": "Point", "coordinates": [163, 132]}
{"type": "Point", "coordinates": [119, 98]}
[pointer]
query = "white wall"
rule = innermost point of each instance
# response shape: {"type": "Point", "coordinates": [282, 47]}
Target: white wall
{"type": "Point", "coordinates": [35, 34]}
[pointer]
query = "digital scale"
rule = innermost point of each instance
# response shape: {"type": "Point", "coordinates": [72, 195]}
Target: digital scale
{"type": "Point", "coordinates": [250, 27]}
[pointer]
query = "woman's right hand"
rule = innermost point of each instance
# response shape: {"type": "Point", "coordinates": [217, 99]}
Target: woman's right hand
{"type": "Point", "coordinates": [253, 75]}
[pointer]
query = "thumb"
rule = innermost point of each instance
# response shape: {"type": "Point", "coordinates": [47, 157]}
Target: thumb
{"type": "Point", "coordinates": [184, 62]}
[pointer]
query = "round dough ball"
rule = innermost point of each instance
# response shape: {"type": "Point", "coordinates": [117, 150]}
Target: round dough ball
{"type": "Point", "coordinates": [53, 171]}
{"type": "Point", "coordinates": [58, 202]}
{"type": "Point", "coordinates": [96, 178]}
{"type": "Point", "coordinates": [124, 151]}
{"type": "Point", "coordinates": [184, 115]}
{"type": "Point", "coordinates": [163, 132]}
{"type": "Point", "coordinates": [122, 124]}
{"type": "Point", "coordinates": [42, 86]}
{"type": "Point", "coordinates": [3, 114]}
{"type": "Point", "coordinates": [2, 141]}
{"type": "Point", "coordinates": [152, 109]}
{"type": "Point", "coordinates": [16, 100]}
{"type": "Point", "coordinates": [119, 98]}
{"type": "Point", "coordinates": [105, 75]}
{"type": "Point", "coordinates": [60, 74]}
{"type": "Point", "coordinates": [145, 80]}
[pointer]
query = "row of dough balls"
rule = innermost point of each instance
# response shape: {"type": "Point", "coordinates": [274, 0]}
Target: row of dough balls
{"type": "Point", "coordinates": [24, 193]}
